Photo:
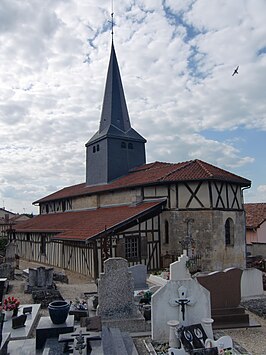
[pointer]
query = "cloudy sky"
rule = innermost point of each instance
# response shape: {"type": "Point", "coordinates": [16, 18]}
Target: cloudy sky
{"type": "Point", "coordinates": [176, 59]}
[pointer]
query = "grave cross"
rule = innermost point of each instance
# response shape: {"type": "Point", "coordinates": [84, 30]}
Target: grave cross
{"type": "Point", "coordinates": [182, 301]}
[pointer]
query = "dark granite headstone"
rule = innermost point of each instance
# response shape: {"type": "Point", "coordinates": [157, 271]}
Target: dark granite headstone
{"type": "Point", "coordinates": [225, 291]}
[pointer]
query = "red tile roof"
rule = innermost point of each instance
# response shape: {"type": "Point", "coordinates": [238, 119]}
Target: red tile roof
{"type": "Point", "coordinates": [153, 173]}
{"type": "Point", "coordinates": [83, 225]}
{"type": "Point", "coordinates": [255, 214]}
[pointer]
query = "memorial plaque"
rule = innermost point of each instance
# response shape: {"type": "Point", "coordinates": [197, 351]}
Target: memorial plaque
{"type": "Point", "coordinates": [27, 310]}
{"type": "Point", "coordinates": [18, 322]}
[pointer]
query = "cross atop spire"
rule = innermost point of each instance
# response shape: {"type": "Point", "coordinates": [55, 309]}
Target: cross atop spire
{"type": "Point", "coordinates": [112, 20]}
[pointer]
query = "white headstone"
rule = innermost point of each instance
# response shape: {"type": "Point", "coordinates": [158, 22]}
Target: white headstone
{"type": "Point", "coordinates": [179, 270]}
{"type": "Point", "coordinates": [251, 283]}
{"type": "Point", "coordinates": [182, 299]}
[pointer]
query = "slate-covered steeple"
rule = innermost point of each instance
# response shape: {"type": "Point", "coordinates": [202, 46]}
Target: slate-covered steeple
{"type": "Point", "coordinates": [116, 147]}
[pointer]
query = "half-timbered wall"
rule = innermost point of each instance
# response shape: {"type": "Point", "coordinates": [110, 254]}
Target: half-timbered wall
{"type": "Point", "coordinates": [88, 259]}
{"type": "Point", "coordinates": [148, 235]}
{"type": "Point", "coordinates": [207, 203]}
{"type": "Point", "coordinates": [74, 256]}
{"type": "Point", "coordinates": [56, 206]}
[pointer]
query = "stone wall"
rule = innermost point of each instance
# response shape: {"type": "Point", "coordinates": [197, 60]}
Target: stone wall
{"type": "Point", "coordinates": [208, 232]}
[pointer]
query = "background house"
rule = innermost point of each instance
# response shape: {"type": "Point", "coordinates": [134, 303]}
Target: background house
{"type": "Point", "coordinates": [256, 228]}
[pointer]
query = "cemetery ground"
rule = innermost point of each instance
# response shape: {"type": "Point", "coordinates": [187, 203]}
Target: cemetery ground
{"type": "Point", "coordinates": [251, 339]}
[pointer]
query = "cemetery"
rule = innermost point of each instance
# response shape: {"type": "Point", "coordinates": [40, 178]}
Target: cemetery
{"type": "Point", "coordinates": [128, 311]}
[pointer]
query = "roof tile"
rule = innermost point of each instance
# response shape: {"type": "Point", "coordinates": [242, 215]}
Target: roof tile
{"type": "Point", "coordinates": [255, 214]}
{"type": "Point", "coordinates": [154, 173]}
{"type": "Point", "coordinates": [82, 225]}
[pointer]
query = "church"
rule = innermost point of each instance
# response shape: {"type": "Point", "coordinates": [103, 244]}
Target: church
{"type": "Point", "coordinates": [144, 212]}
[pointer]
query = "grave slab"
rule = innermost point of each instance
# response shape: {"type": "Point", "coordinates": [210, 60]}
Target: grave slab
{"type": "Point", "coordinates": [4, 343]}
{"type": "Point", "coordinates": [24, 332]}
{"type": "Point", "coordinates": [47, 329]}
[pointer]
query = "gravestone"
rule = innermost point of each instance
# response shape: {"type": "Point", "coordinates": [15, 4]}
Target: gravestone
{"type": "Point", "coordinates": [32, 277]}
{"type": "Point", "coordinates": [116, 297]}
{"type": "Point", "coordinates": [179, 270]}
{"type": "Point", "coordinates": [40, 278]}
{"type": "Point", "coordinates": [139, 273]}
{"type": "Point", "coordinates": [181, 298]}
{"type": "Point", "coordinates": [10, 253]}
{"type": "Point", "coordinates": [40, 284]}
{"type": "Point", "coordinates": [251, 283]}
{"type": "Point", "coordinates": [225, 291]}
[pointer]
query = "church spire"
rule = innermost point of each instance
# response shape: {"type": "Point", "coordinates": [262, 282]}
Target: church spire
{"type": "Point", "coordinates": [116, 148]}
{"type": "Point", "coordinates": [114, 110]}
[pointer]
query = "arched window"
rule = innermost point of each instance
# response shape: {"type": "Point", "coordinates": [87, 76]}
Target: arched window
{"type": "Point", "coordinates": [94, 149]}
{"type": "Point", "coordinates": [123, 145]}
{"type": "Point", "coordinates": [229, 232]}
{"type": "Point", "coordinates": [98, 147]}
{"type": "Point", "coordinates": [130, 146]}
{"type": "Point", "coordinates": [166, 232]}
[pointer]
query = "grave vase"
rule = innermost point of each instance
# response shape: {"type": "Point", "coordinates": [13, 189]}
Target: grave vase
{"type": "Point", "coordinates": [8, 315]}
{"type": "Point", "coordinates": [173, 340]}
{"type": "Point", "coordinates": [58, 311]}
{"type": "Point", "coordinates": [15, 312]}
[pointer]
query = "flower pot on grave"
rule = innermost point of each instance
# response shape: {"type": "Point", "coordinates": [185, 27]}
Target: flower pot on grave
{"type": "Point", "coordinates": [58, 311]}
{"type": "Point", "coordinates": [15, 312]}
{"type": "Point", "coordinates": [8, 315]}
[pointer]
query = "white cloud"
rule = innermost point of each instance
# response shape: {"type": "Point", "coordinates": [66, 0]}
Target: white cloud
{"type": "Point", "coordinates": [176, 59]}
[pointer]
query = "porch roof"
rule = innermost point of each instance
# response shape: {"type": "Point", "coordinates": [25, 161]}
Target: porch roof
{"type": "Point", "coordinates": [88, 224]}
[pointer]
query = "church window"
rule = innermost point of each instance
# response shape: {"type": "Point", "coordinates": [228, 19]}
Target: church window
{"type": "Point", "coordinates": [123, 145]}
{"type": "Point", "coordinates": [166, 232]}
{"type": "Point", "coordinates": [130, 146]}
{"type": "Point", "coordinates": [94, 149]}
{"type": "Point", "coordinates": [132, 248]}
{"type": "Point", "coordinates": [229, 232]}
{"type": "Point", "coordinates": [98, 148]}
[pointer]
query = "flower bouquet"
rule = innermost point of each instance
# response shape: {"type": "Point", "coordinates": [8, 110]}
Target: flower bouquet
{"type": "Point", "coordinates": [11, 304]}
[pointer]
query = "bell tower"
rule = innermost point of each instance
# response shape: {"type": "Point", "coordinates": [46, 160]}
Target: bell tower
{"type": "Point", "coordinates": [116, 147]}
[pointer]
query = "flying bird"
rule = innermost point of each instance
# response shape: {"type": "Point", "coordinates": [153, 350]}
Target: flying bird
{"type": "Point", "coordinates": [235, 71]}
